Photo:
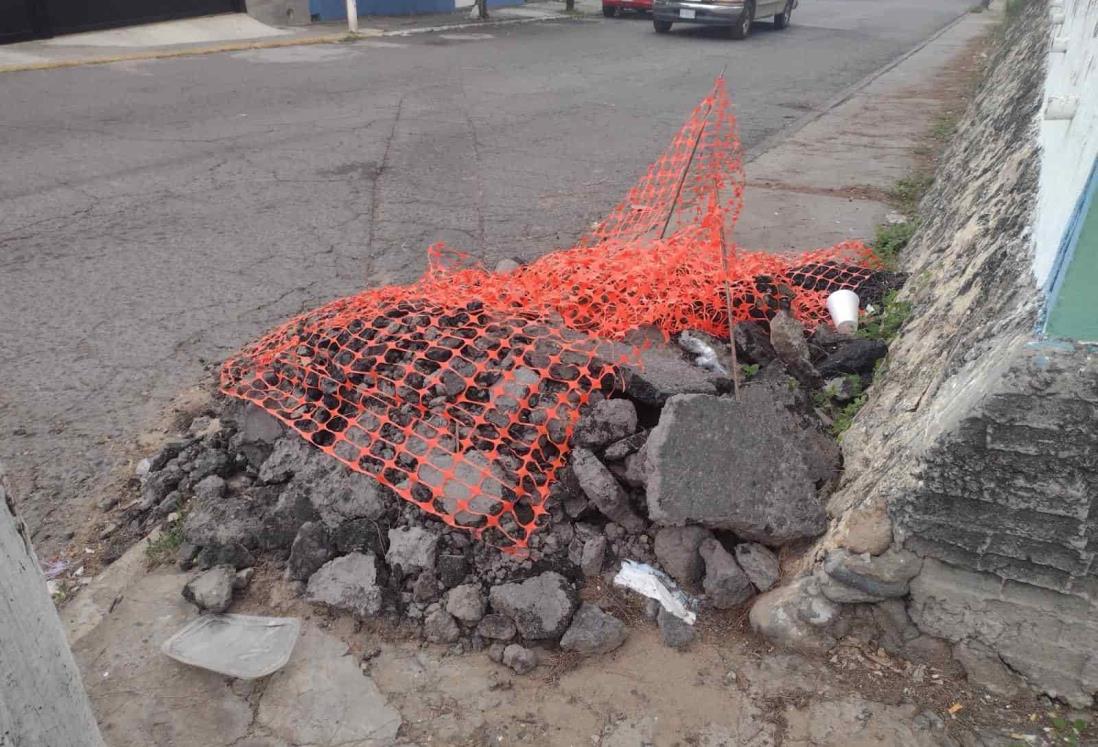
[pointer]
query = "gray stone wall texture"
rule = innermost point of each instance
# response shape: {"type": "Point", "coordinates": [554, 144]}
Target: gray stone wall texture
{"type": "Point", "coordinates": [981, 440]}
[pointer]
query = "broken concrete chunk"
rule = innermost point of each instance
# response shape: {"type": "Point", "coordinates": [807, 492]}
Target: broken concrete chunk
{"type": "Point", "coordinates": [520, 659]}
{"type": "Point", "coordinates": [759, 563]}
{"type": "Point", "coordinates": [626, 446]}
{"type": "Point", "coordinates": [290, 455]}
{"type": "Point", "coordinates": [347, 583]}
{"type": "Point", "coordinates": [608, 421]}
{"type": "Point", "coordinates": [674, 632]}
{"type": "Point", "coordinates": [210, 488]}
{"type": "Point", "coordinates": [796, 616]}
{"type": "Point", "coordinates": [222, 521]}
{"type": "Point", "coordinates": [496, 627]}
{"type": "Point", "coordinates": [466, 603]}
{"type": "Point", "coordinates": [886, 575]}
{"type": "Point", "coordinates": [311, 549]}
{"type": "Point", "coordinates": [593, 632]}
{"type": "Point", "coordinates": [441, 627]}
{"type": "Point", "coordinates": [662, 374]}
{"type": "Point", "coordinates": [604, 491]}
{"type": "Point", "coordinates": [677, 552]}
{"type": "Point", "coordinates": [412, 548]}
{"type": "Point", "coordinates": [540, 607]}
{"type": "Point", "coordinates": [211, 590]}
{"type": "Point", "coordinates": [753, 344]}
{"type": "Point", "coordinates": [726, 585]}
{"type": "Point", "coordinates": [452, 570]}
{"type": "Point", "coordinates": [730, 465]}
{"type": "Point", "coordinates": [854, 356]}
{"type": "Point", "coordinates": [257, 426]}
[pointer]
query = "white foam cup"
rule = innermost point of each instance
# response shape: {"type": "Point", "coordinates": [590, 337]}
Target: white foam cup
{"type": "Point", "coordinates": [843, 307]}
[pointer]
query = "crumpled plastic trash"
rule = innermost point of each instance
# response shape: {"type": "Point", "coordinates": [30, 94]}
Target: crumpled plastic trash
{"type": "Point", "coordinates": [655, 584]}
{"type": "Point", "coordinates": [706, 356]}
{"type": "Point", "coordinates": [243, 646]}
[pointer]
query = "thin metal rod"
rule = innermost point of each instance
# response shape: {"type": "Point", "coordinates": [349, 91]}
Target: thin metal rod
{"type": "Point", "coordinates": [686, 170]}
{"type": "Point", "coordinates": [728, 295]}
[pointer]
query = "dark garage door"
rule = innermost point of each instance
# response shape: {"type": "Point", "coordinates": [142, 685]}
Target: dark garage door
{"type": "Point", "coordinates": [27, 18]}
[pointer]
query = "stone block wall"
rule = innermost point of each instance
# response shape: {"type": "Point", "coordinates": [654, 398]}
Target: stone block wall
{"type": "Point", "coordinates": [978, 448]}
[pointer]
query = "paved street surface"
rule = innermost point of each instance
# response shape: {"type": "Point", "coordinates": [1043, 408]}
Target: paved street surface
{"type": "Point", "coordinates": [156, 215]}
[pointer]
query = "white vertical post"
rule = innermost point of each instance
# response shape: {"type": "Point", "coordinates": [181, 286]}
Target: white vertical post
{"type": "Point", "coordinates": [352, 16]}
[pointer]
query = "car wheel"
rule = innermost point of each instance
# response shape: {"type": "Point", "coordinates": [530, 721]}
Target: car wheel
{"type": "Point", "coordinates": [609, 10]}
{"type": "Point", "coordinates": [782, 20]}
{"type": "Point", "coordinates": [742, 29]}
{"type": "Point", "coordinates": [662, 27]}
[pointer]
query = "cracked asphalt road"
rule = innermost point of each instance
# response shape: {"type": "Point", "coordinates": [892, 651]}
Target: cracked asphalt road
{"type": "Point", "coordinates": [156, 215]}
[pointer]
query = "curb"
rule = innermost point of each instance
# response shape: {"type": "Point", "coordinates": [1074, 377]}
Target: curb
{"type": "Point", "coordinates": [332, 38]}
{"type": "Point", "coordinates": [773, 140]}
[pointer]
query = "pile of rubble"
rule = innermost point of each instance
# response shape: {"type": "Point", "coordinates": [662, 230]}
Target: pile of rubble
{"type": "Point", "coordinates": [672, 470]}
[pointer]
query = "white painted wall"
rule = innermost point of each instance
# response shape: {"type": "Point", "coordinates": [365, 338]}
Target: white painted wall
{"type": "Point", "coordinates": [1068, 145]}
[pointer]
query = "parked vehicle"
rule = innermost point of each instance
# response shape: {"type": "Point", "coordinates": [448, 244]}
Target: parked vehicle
{"type": "Point", "coordinates": [738, 15]}
{"type": "Point", "coordinates": [610, 8]}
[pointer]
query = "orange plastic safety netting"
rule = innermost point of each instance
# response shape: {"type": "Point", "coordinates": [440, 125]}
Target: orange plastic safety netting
{"type": "Point", "coordinates": [460, 392]}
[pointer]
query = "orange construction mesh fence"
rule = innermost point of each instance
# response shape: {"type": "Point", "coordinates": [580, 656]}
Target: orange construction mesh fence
{"type": "Point", "coordinates": [460, 392]}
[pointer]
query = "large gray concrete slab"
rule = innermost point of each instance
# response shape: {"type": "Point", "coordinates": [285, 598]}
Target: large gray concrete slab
{"type": "Point", "coordinates": [156, 215]}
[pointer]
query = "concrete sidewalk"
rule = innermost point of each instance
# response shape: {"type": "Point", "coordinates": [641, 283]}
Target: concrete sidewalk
{"type": "Point", "coordinates": [360, 685]}
{"type": "Point", "coordinates": [829, 180]}
{"type": "Point", "coordinates": [238, 32]}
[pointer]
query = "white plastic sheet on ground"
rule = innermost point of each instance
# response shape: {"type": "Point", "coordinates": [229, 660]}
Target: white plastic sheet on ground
{"type": "Point", "coordinates": [654, 584]}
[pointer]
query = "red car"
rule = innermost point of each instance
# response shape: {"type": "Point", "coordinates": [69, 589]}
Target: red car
{"type": "Point", "coordinates": [610, 8]}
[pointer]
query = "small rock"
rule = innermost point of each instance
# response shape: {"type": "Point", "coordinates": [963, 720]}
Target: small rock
{"type": "Point", "coordinates": [608, 421]}
{"type": "Point", "coordinates": [452, 570]}
{"type": "Point", "coordinates": [242, 578]}
{"type": "Point", "coordinates": [787, 337]}
{"type": "Point", "coordinates": [593, 632]}
{"type": "Point", "coordinates": [507, 265]}
{"type": "Point", "coordinates": [234, 554]}
{"type": "Point", "coordinates": [604, 491]}
{"type": "Point", "coordinates": [496, 627]}
{"type": "Point", "coordinates": [840, 593]}
{"type": "Point", "coordinates": [759, 563]}
{"type": "Point", "coordinates": [796, 615]}
{"type": "Point", "coordinates": [203, 426]}
{"type": "Point", "coordinates": [311, 549]}
{"type": "Point", "coordinates": [520, 659]}
{"type": "Point", "coordinates": [677, 552]}
{"type": "Point", "coordinates": [540, 607]}
{"type": "Point", "coordinates": [211, 590]}
{"type": "Point", "coordinates": [441, 627]}
{"type": "Point", "coordinates": [347, 583]}
{"type": "Point", "coordinates": [866, 529]}
{"type": "Point", "coordinates": [886, 575]}
{"type": "Point", "coordinates": [290, 455]}
{"type": "Point", "coordinates": [209, 462]}
{"type": "Point", "coordinates": [495, 652]}
{"type": "Point", "coordinates": [466, 603]}
{"type": "Point", "coordinates": [726, 585]}
{"type": "Point", "coordinates": [854, 356]}
{"type": "Point", "coordinates": [593, 557]}
{"type": "Point", "coordinates": [425, 588]}
{"type": "Point", "coordinates": [412, 548]}
{"type": "Point", "coordinates": [674, 632]}
{"type": "Point", "coordinates": [184, 558]}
